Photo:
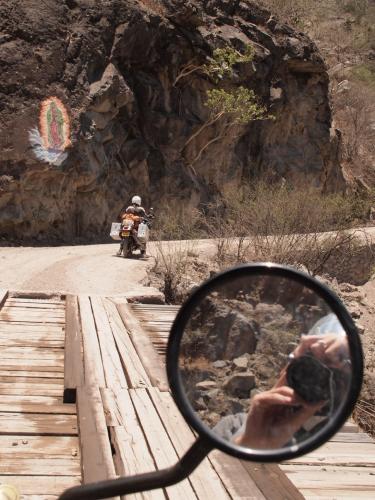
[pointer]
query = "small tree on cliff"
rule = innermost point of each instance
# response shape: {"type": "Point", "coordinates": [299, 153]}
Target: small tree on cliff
{"type": "Point", "coordinates": [236, 107]}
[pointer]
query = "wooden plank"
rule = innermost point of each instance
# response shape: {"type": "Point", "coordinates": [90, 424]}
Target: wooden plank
{"type": "Point", "coordinates": [32, 423]}
{"type": "Point", "coordinates": [205, 481]}
{"type": "Point", "coordinates": [158, 441]}
{"type": "Point", "coordinates": [30, 374]}
{"type": "Point", "coordinates": [40, 497]}
{"type": "Point", "coordinates": [160, 324]}
{"type": "Point", "coordinates": [27, 314]}
{"type": "Point", "coordinates": [355, 437]}
{"type": "Point", "coordinates": [34, 404]}
{"type": "Point", "coordinates": [31, 294]}
{"type": "Point", "coordinates": [30, 328]}
{"type": "Point", "coordinates": [15, 300]}
{"type": "Point", "coordinates": [128, 461]}
{"type": "Point", "coordinates": [93, 366]}
{"type": "Point", "coordinates": [35, 341]}
{"type": "Point", "coordinates": [132, 455]}
{"type": "Point", "coordinates": [31, 389]}
{"type": "Point", "coordinates": [32, 312]}
{"type": "Point", "coordinates": [113, 371]}
{"type": "Point", "coordinates": [337, 494]}
{"type": "Point", "coordinates": [135, 372]}
{"type": "Point", "coordinates": [40, 447]}
{"type": "Point", "coordinates": [97, 461]}
{"type": "Point", "coordinates": [28, 335]}
{"type": "Point", "coordinates": [42, 319]}
{"type": "Point", "coordinates": [349, 454]}
{"type": "Point", "coordinates": [166, 306]}
{"type": "Point", "coordinates": [40, 365]}
{"type": "Point", "coordinates": [43, 485]}
{"type": "Point", "coordinates": [331, 477]}
{"type": "Point", "coordinates": [39, 466]}
{"type": "Point", "coordinates": [157, 317]}
{"type": "Point", "coordinates": [235, 477]}
{"type": "Point", "coordinates": [73, 361]}
{"type": "Point", "coordinates": [35, 305]}
{"type": "Point", "coordinates": [26, 338]}
{"type": "Point", "coordinates": [31, 353]}
{"type": "Point", "coordinates": [143, 345]}
{"type": "Point", "coordinates": [3, 297]}
{"type": "Point", "coordinates": [40, 381]}
{"type": "Point", "coordinates": [272, 481]}
{"type": "Point", "coordinates": [349, 426]}
{"type": "Point", "coordinates": [110, 407]}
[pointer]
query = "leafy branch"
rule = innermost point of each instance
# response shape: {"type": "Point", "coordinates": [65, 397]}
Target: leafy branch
{"type": "Point", "coordinates": [238, 106]}
{"type": "Point", "coordinates": [220, 65]}
{"type": "Point", "coordinates": [241, 103]}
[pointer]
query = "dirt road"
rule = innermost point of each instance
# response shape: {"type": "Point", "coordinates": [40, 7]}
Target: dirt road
{"type": "Point", "coordinates": [91, 269]}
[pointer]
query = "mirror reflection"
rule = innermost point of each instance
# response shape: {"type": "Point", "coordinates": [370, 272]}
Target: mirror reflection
{"type": "Point", "coordinates": [264, 362]}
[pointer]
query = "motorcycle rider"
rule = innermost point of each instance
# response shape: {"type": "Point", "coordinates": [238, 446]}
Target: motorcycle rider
{"type": "Point", "coordinates": [135, 212]}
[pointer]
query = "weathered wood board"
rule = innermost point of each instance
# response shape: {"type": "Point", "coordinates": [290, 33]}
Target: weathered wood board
{"type": "Point", "coordinates": [39, 445]}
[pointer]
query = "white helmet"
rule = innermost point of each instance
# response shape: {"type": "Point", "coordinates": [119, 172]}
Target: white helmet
{"type": "Point", "coordinates": [136, 200]}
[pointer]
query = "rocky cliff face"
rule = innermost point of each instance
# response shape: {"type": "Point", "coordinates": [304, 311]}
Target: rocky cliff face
{"type": "Point", "coordinates": [114, 63]}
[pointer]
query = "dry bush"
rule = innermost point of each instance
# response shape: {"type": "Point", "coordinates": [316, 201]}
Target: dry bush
{"type": "Point", "coordinates": [364, 414]}
{"type": "Point", "coordinates": [177, 223]}
{"type": "Point", "coordinates": [293, 12]}
{"type": "Point", "coordinates": [281, 224]}
{"type": "Point", "coordinates": [354, 109]}
{"type": "Point", "coordinates": [172, 262]}
{"type": "Point", "coordinates": [225, 223]}
{"type": "Point", "coordinates": [155, 6]}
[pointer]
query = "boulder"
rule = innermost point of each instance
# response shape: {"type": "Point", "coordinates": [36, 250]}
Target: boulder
{"type": "Point", "coordinates": [240, 385]}
{"type": "Point", "coordinates": [241, 363]}
{"type": "Point", "coordinates": [206, 385]}
{"type": "Point", "coordinates": [219, 364]}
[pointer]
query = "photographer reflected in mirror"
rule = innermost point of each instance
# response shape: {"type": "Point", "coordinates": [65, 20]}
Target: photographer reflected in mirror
{"type": "Point", "coordinates": [253, 374]}
{"type": "Point", "coordinates": [275, 416]}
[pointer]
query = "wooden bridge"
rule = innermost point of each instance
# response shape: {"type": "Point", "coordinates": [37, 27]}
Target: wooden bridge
{"type": "Point", "coordinates": [84, 397]}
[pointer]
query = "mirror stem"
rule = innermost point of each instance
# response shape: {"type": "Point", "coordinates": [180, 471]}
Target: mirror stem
{"type": "Point", "coordinates": [143, 482]}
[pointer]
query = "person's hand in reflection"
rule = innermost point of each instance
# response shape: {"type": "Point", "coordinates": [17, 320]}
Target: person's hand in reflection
{"type": "Point", "coordinates": [331, 349]}
{"type": "Point", "coordinates": [274, 417]}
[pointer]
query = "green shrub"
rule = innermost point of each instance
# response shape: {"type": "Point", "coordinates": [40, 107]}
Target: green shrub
{"type": "Point", "coordinates": [365, 73]}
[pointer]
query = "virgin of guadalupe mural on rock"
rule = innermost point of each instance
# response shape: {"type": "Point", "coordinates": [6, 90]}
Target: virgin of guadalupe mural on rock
{"type": "Point", "coordinates": [51, 140]}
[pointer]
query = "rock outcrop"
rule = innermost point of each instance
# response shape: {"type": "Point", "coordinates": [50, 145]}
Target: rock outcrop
{"type": "Point", "coordinates": [114, 65]}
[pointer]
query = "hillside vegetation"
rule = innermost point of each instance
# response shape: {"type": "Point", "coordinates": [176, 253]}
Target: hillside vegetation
{"type": "Point", "coordinates": [344, 31]}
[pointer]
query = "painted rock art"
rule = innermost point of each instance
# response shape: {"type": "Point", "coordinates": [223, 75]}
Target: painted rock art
{"type": "Point", "coordinates": [51, 140]}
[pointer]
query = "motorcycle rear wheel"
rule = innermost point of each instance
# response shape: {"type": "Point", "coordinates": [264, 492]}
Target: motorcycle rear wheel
{"type": "Point", "coordinates": [126, 248]}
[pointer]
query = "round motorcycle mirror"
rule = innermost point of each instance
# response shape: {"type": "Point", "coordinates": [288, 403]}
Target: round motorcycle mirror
{"type": "Point", "coordinates": [264, 362]}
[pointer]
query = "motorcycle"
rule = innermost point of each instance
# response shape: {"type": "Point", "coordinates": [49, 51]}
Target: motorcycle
{"type": "Point", "coordinates": [259, 332]}
{"type": "Point", "coordinates": [133, 239]}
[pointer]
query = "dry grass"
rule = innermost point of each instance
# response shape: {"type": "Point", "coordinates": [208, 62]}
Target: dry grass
{"type": "Point", "coordinates": [156, 6]}
{"type": "Point", "coordinates": [344, 31]}
{"type": "Point", "coordinates": [364, 414]}
{"type": "Point", "coordinates": [282, 224]}
{"type": "Point", "coordinates": [172, 262]}
{"type": "Point", "coordinates": [354, 112]}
